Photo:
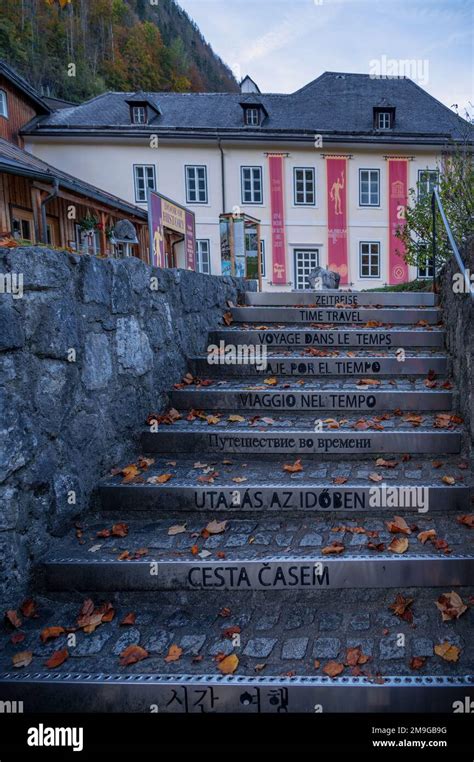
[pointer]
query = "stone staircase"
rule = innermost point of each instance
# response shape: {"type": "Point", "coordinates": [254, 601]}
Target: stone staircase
{"type": "Point", "coordinates": [327, 600]}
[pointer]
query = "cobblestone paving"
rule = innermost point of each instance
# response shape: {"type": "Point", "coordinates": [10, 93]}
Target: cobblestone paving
{"type": "Point", "coordinates": [278, 634]}
{"type": "Point", "coordinates": [257, 538]}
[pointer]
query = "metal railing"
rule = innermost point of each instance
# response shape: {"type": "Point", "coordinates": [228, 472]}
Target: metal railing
{"type": "Point", "coordinates": [436, 202]}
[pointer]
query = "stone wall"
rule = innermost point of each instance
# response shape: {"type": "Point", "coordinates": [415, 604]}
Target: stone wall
{"type": "Point", "coordinates": [85, 354]}
{"type": "Point", "coordinates": [458, 317]}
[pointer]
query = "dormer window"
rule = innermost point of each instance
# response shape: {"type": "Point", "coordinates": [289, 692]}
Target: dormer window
{"type": "Point", "coordinates": [3, 104]}
{"type": "Point", "coordinates": [252, 117]}
{"type": "Point", "coordinates": [384, 118]}
{"type": "Point", "coordinates": [139, 115]}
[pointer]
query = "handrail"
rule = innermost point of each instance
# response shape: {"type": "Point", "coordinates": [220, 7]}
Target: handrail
{"type": "Point", "coordinates": [436, 202]}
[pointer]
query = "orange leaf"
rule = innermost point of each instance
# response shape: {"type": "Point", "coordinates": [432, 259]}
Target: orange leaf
{"type": "Point", "coordinates": [229, 664]}
{"type": "Point", "coordinates": [467, 520]}
{"type": "Point", "coordinates": [57, 658]}
{"type": "Point", "coordinates": [28, 608]}
{"type": "Point", "coordinates": [333, 668]}
{"type": "Point", "coordinates": [334, 548]}
{"type": "Point", "coordinates": [174, 653]}
{"type": "Point", "coordinates": [120, 530]}
{"type": "Point", "coordinates": [272, 381]}
{"type": "Point", "coordinates": [293, 468]}
{"type": "Point", "coordinates": [449, 480]}
{"type": "Point", "coordinates": [447, 651]}
{"type": "Point", "coordinates": [129, 473]}
{"type": "Point", "coordinates": [426, 535]}
{"type": "Point", "coordinates": [51, 632]}
{"type": "Point", "coordinates": [451, 606]}
{"type": "Point", "coordinates": [398, 524]}
{"type": "Point", "coordinates": [339, 480]}
{"type": "Point", "coordinates": [417, 662]}
{"type": "Point", "coordinates": [132, 654]}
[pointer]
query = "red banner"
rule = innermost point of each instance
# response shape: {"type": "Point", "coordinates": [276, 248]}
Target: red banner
{"type": "Point", "coordinates": [336, 169]}
{"type": "Point", "coordinates": [397, 202]}
{"type": "Point", "coordinates": [278, 220]}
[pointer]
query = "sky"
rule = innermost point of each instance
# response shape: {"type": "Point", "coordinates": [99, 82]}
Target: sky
{"type": "Point", "coordinates": [284, 44]}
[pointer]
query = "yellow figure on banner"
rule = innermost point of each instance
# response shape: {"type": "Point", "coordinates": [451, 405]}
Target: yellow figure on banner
{"type": "Point", "coordinates": [157, 240]}
{"type": "Point", "coordinates": [335, 194]}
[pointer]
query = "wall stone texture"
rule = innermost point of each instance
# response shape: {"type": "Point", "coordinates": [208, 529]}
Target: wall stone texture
{"type": "Point", "coordinates": [63, 423]}
{"type": "Point", "coordinates": [458, 317]}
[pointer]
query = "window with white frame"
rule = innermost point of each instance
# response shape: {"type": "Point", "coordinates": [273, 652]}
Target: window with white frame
{"type": "Point", "coordinates": [252, 185]}
{"type": "Point", "coordinates": [196, 185]}
{"type": "Point", "coordinates": [369, 187]}
{"type": "Point", "coordinates": [384, 120]}
{"type": "Point", "coordinates": [304, 186]}
{"type": "Point", "coordinates": [3, 104]}
{"type": "Point", "coordinates": [425, 271]}
{"type": "Point", "coordinates": [139, 115]}
{"type": "Point", "coordinates": [305, 262]}
{"type": "Point", "coordinates": [369, 259]}
{"type": "Point", "coordinates": [252, 117]}
{"type": "Point", "coordinates": [427, 180]}
{"type": "Point", "coordinates": [144, 177]}
{"type": "Point", "coordinates": [203, 256]}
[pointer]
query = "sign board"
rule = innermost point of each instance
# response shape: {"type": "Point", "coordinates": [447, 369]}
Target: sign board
{"type": "Point", "coordinates": [163, 213]}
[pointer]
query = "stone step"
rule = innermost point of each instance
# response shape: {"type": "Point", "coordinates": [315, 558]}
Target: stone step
{"type": "Point", "coordinates": [292, 435]}
{"type": "Point", "coordinates": [334, 338]}
{"type": "Point", "coordinates": [258, 554]}
{"type": "Point", "coordinates": [358, 364]}
{"type": "Point", "coordinates": [314, 397]}
{"type": "Point", "coordinates": [337, 316]}
{"type": "Point", "coordinates": [237, 487]}
{"type": "Point", "coordinates": [283, 647]}
{"type": "Point", "coordinates": [329, 298]}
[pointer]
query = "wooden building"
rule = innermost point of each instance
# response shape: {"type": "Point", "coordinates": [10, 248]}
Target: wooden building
{"type": "Point", "coordinates": [42, 204]}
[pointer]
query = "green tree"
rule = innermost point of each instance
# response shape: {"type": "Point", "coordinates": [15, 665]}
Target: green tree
{"type": "Point", "coordinates": [455, 185]}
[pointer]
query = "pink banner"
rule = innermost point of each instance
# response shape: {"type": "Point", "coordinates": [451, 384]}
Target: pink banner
{"type": "Point", "coordinates": [397, 202]}
{"type": "Point", "coordinates": [336, 168]}
{"type": "Point", "coordinates": [278, 220]}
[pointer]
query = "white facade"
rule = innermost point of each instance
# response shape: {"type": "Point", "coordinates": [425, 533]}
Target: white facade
{"type": "Point", "coordinates": [110, 164]}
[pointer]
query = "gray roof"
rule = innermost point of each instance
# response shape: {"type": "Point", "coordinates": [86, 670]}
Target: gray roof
{"type": "Point", "coordinates": [19, 82]}
{"type": "Point", "coordinates": [335, 104]}
{"type": "Point", "coordinates": [16, 161]}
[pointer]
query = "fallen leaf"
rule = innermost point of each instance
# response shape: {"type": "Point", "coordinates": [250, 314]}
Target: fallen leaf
{"type": "Point", "coordinates": [368, 382]}
{"type": "Point", "coordinates": [437, 463]}
{"type": "Point", "coordinates": [426, 535]}
{"type": "Point", "coordinates": [176, 529]}
{"type": "Point", "coordinates": [401, 607]}
{"type": "Point", "coordinates": [398, 524]}
{"type": "Point", "coordinates": [216, 527]}
{"type": "Point", "coordinates": [129, 618]}
{"type": "Point", "coordinates": [120, 530]}
{"type": "Point", "coordinates": [17, 637]}
{"type": "Point", "coordinates": [448, 480]}
{"type": "Point", "coordinates": [381, 463]}
{"type": "Point", "coordinates": [355, 656]}
{"type": "Point", "coordinates": [417, 662]}
{"type": "Point", "coordinates": [129, 473]}
{"type": "Point", "coordinates": [225, 612]}
{"type": "Point", "coordinates": [447, 651]}
{"type": "Point", "coordinates": [212, 419]}
{"type": "Point", "coordinates": [161, 479]}
{"type": "Point", "coordinates": [239, 479]}
{"type": "Point", "coordinates": [339, 480]}
{"type": "Point", "coordinates": [375, 477]}
{"type": "Point", "coordinates": [227, 318]}
{"type": "Point", "coordinates": [51, 632]}
{"type": "Point", "coordinates": [334, 548]}
{"type": "Point", "coordinates": [293, 468]}
{"type": "Point", "coordinates": [229, 664]}
{"type": "Point", "coordinates": [229, 632]}
{"type": "Point", "coordinates": [467, 520]}
{"type": "Point", "coordinates": [12, 617]}
{"type": "Point", "coordinates": [236, 418]}
{"type": "Point", "coordinates": [398, 545]}
{"type": "Point", "coordinates": [259, 667]}
{"type": "Point", "coordinates": [272, 381]}
{"type": "Point", "coordinates": [28, 608]}
{"type": "Point", "coordinates": [57, 658]}
{"type": "Point", "coordinates": [22, 659]}
{"type": "Point", "coordinates": [333, 668]}
{"type": "Point", "coordinates": [451, 606]}
{"type": "Point", "coordinates": [131, 655]}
